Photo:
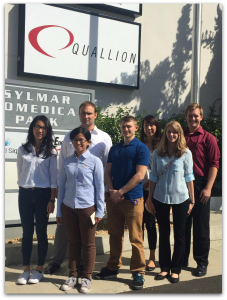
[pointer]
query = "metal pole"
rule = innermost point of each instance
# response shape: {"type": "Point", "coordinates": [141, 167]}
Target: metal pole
{"type": "Point", "coordinates": [196, 47]}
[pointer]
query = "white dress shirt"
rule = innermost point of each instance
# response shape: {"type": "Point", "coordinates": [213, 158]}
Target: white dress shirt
{"type": "Point", "coordinates": [35, 171]}
{"type": "Point", "coordinates": [100, 146]}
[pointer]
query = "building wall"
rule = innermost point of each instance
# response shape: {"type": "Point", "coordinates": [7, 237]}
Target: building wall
{"type": "Point", "coordinates": [165, 59]}
{"type": "Point", "coordinates": [165, 71]}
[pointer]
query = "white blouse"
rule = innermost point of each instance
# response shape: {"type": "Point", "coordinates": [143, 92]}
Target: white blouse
{"type": "Point", "coordinates": [35, 171]}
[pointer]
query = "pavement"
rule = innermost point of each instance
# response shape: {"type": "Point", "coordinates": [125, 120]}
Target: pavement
{"type": "Point", "coordinates": [50, 284]}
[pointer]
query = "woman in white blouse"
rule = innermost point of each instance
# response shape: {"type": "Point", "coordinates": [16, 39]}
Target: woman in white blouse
{"type": "Point", "coordinates": [170, 181]}
{"type": "Point", "coordinates": [37, 180]}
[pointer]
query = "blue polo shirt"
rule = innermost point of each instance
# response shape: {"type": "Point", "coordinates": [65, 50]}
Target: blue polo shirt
{"type": "Point", "coordinates": [124, 159]}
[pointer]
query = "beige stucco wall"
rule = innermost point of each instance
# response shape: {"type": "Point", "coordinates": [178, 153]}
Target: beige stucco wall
{"type": "Point", "coordinates": [165, 60]}
{"type": "Point", "coordinates": [165, 68]}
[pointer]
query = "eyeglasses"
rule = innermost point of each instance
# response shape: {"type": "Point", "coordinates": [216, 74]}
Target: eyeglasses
{"type": "Point", "coordinates": [37, 127]}
{"type": "Point", "coordinates": [81, 141]}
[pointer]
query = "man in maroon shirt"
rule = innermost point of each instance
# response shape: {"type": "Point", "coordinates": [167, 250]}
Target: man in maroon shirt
{"type": "Point", "coordinates": [206, 154]}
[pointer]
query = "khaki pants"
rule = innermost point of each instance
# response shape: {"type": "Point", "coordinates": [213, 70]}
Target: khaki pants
{"type": "Point", "coordinates": [133, 215]}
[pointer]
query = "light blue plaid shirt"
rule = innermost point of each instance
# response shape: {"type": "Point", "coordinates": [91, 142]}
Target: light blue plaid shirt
{"type": "Point", "coordinates": [171, 188]}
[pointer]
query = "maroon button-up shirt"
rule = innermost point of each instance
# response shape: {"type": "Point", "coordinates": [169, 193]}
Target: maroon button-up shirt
{"type": "Point", "coordinates": [205, 151]}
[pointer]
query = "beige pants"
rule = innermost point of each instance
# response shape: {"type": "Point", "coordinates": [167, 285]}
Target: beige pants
{"type": "Point", "coordinates": [118, 214]}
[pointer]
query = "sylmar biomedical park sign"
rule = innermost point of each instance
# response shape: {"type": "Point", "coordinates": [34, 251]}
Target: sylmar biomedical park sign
{"type": "Point", "coordinates": [23, 101]}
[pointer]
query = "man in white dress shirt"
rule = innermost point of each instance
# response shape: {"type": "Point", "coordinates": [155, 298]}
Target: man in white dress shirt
{"type": "Point", "coordinates": [99, 146]}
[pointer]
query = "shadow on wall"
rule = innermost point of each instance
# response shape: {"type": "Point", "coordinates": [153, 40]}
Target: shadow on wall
{"type": "Point", "coordinates": [163, 87]}
{"type": "Point", "coordinates": [211, 89]}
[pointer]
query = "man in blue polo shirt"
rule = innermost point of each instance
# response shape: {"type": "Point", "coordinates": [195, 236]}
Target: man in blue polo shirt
{"type": "Point", "coordinates": [126, 167]}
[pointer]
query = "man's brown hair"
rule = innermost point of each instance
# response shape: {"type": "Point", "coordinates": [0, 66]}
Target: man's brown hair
{"type": "Point", "coordinates": [193, 106]}
{"type": "Point", "coordinates": [88, 103]}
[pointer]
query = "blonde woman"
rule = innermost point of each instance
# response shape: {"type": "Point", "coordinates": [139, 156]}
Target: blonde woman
{"type": "Point", "coordinates": [170, 184]}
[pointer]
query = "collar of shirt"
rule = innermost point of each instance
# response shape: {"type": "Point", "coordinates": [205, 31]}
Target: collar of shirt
{"type": "Point", "coordinates": [95, 130]}
{"type": "Point", "coordinates": [199, 130]}
{"type": "Point", "coordinates": [84, 155]}
{"type": "Point", "coordinates": [132, 143]}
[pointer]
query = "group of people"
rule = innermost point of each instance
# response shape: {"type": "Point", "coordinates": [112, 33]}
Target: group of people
{"type": "Point", "coordinates": [140, 181]}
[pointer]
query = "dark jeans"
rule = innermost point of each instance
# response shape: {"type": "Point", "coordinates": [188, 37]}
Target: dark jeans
{"type": "Point", "coordinates": [33, 203]}
{"type": "Point", "coordinates": [179, 219]}
{"type": "Point", "coordinates": [149, 220]}
{"type": "Point", "coordinates": [200, 216]}
{"type": "Point", "coordinates": [81, 235]}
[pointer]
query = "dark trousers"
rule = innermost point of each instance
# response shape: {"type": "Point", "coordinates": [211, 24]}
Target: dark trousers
{"type": "Point", "coordinates": [33, 203]}
{"type": "Point", "coordinates": [179, 219]}
{"type": "Point", "coordinates": [200, 216]}
{"type": "Point", "coordinates": [81, 235]}
{"type": "Point", "coordinates": [149, 220]}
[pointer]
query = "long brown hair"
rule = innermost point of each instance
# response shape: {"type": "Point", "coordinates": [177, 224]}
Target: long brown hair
{"type": "Point", "coordinates": [181, 142]}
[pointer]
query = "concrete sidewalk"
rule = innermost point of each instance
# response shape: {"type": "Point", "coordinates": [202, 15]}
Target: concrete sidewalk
{"type": "Point", "coordinates": [51, 283]}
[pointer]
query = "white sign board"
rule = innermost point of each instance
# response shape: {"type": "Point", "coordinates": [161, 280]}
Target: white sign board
{"type": "Point", "coordinates": [13, 140]}
{"type": "Point", "coordinates": [74, 45]}
{"type": "Point", "coordinates": [23, 101]}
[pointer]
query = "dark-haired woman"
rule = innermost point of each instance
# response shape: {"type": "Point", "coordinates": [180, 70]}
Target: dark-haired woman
{"type": "Point", "coordinates": [37, 180]}
{"type": "Point", "coordinates": [81, 197]}
{"type": "Point", "coordinates": [150, 135]}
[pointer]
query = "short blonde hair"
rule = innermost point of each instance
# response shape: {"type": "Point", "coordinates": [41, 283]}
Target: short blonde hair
{"type": "Point", "coordinates": [193, 106]}
{"type": "Point", "coordinates": [181, 142]}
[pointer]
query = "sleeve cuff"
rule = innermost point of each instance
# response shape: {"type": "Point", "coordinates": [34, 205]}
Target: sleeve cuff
{"type": "Point", "coordinates": [189, 177]}
{"type": "Point", "coordinates": [153, 178]}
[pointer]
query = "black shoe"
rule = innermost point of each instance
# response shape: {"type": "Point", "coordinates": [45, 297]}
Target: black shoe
{"type": "Point", "coordinates": [106, 273]}
{"type": "Point", "coordinates": [138, 281]}
{"type": "Point", "coordinates": [51, 268]}
{"type": "Point", "coordinates": [200, 271]}
{"type": "Point", "coordinates": [150, 268]}
{"type": "Point", "coordinates": [174, 280]}
{"type": "Point", "coordinates": [161, 277]}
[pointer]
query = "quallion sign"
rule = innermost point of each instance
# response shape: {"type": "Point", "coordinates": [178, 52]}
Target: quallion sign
{"type": "Point", "coordinates": [75, 45]}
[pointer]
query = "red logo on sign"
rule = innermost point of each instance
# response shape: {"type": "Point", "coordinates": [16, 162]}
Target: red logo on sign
{"type": "Point", "coordinates": [33, 38]}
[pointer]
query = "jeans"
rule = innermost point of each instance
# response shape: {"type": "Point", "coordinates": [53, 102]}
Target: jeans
{"type": "Point", "coordinates": [149, 220]}
{"type": "Point", "coordinates": [179, 220]}
{"type": "Point", "coordinates": [200, 216]}
{"type": "Point", "coordinates": [118, 214]}
{"type": "Point", "coordinates": [33, 203]}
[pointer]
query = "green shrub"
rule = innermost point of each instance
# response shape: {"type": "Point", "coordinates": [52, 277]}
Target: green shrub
{"type": "Point", "coordinates": [110, 123]}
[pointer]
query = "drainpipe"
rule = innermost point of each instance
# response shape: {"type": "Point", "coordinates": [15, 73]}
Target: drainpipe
{"type": "Point", "coordinates": [196, 47]}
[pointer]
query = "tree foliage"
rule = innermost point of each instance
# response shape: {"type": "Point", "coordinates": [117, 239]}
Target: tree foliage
{"type": "Point", "coordinates": [110, 123]}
